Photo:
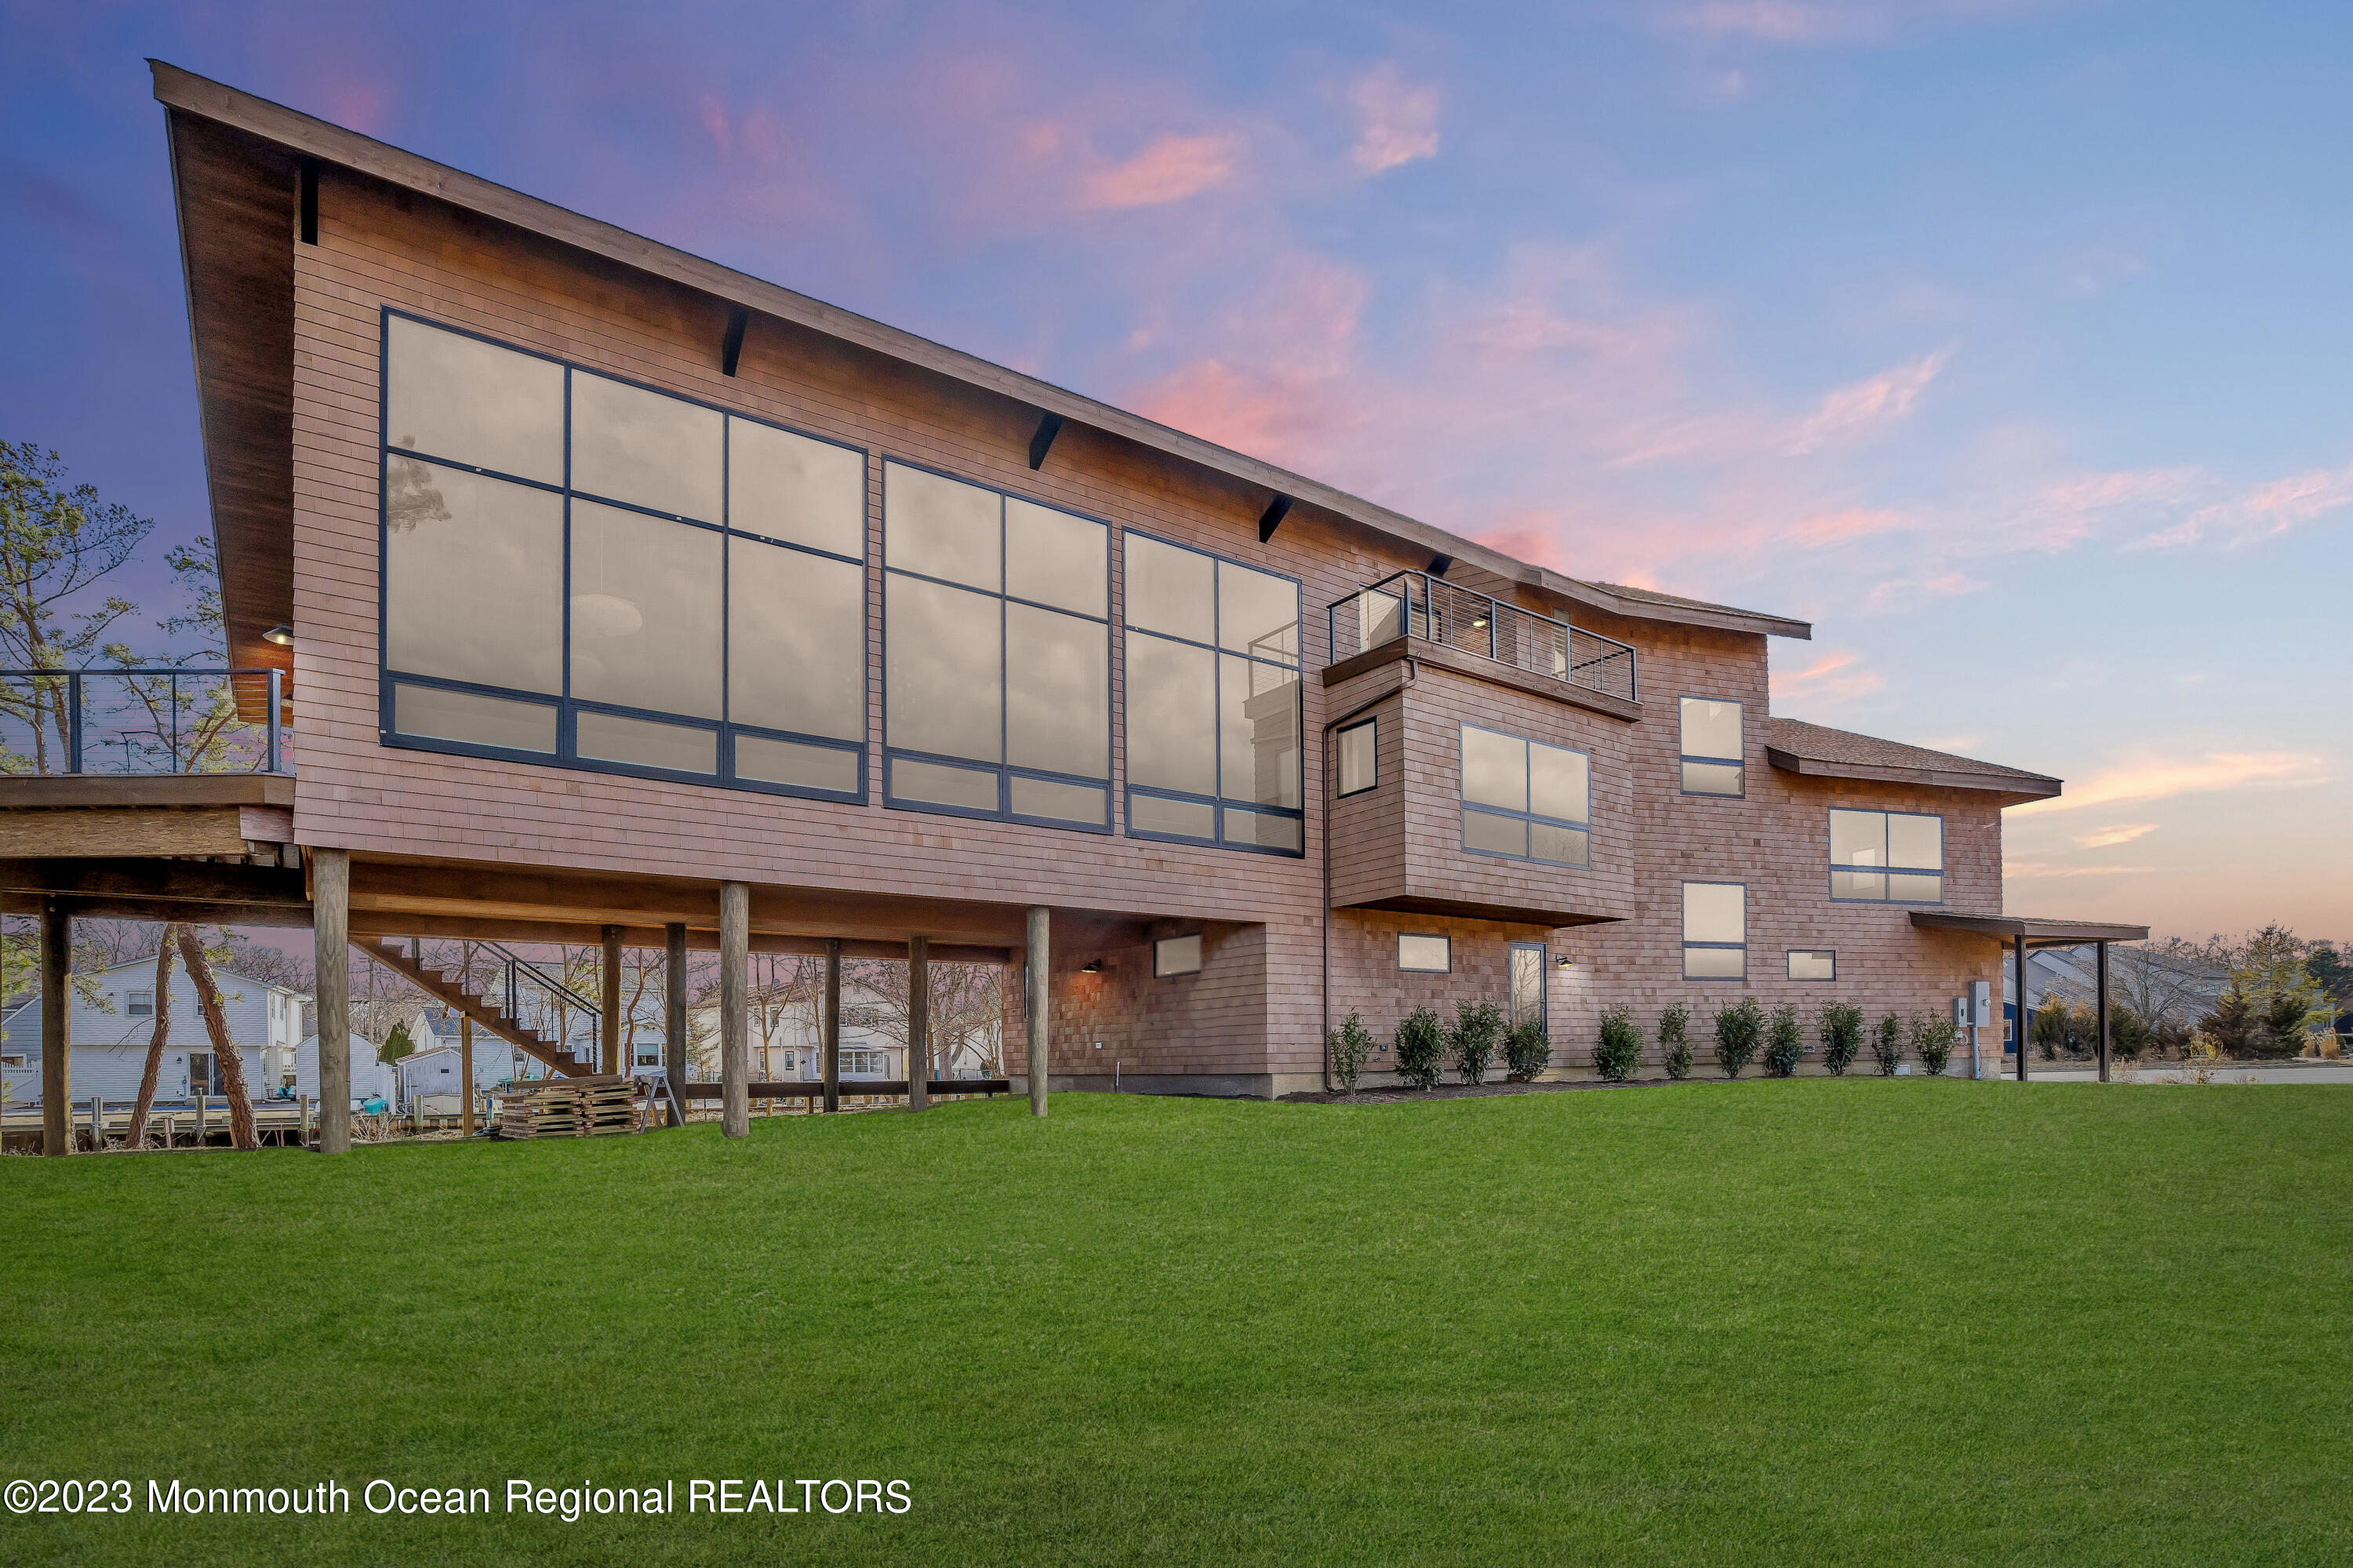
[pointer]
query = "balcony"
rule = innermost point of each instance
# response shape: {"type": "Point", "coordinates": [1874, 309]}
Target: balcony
{"type": "Point", "coordinates": [1418, 605]}
{"type": "Point", "coordinates": [142, 723]}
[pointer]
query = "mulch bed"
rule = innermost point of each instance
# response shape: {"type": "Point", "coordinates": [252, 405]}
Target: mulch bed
{"type": "Point", "coordinates": [1386, 1094]}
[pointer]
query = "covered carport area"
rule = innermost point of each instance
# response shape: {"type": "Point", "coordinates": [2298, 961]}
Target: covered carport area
{"type": "Point", "coordinates": [2024, 933]}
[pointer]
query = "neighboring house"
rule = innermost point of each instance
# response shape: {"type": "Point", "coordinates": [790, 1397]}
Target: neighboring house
{"type": "Point", "coordinates": [371, 1079]}
{"type": "Point", "coordinates": [788, 1040]}
{"type": "Point", "coordinates": [109, 1034]}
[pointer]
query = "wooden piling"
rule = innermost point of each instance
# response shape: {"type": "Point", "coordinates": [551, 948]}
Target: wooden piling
{"type": "Point", "coordinates": [56, 1004]}
{"type": "Point", "coordinates": [331, 937]}
{"type": "Point", "coordinates": [919, 1022]}
{"type": "Point", "coordinates": [674, 1018]}
{"type": "Point", "coordinates": [608, 1031]}
{"type": "Point", "coordinates": [1039, 960]}
{"type": "Point", "coordinates": [831, 1062]}
{"type": "Point", "coordinates": [734, 1009]}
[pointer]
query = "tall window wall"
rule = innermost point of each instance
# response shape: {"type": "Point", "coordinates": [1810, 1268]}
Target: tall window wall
{"type": "Point", "coordinates": [1213, 700]}
{"type": "Point", "coordinates": [578, 570]}
{"type": "Point", "coordinates": [996, 637]}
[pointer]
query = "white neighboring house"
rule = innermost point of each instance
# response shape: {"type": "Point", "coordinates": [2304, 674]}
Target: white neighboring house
{"type": "Point", "coordinates": [787, 1043]}
{"type": "Point", "coordinates": [108, 1038]}
{"type": "Point", "coordinates": [371, 1079]}
{"type": "Point", "coordinates": [433, 1071]}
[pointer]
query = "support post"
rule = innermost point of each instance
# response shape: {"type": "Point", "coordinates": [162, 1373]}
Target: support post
{"type": "Point", "coordinates": [734, 1009]}
{"type": "Point", "coordinates": [830, 1061]}
{"type": "Point", "coordinates": [919, 1022]}
{"type": "Point", "coordinates": [608, 1001]}
{"type": "Point", "coordinates": [2103, 1012]}
{"type": "Point", "coordinates": [674, 1017]}
{"type": "Point", "coordinates": [1039, 960]}
{"type": "Point", "coordinates": [56, 1004]}
{"type": "Point", "coordinates": [466, 1056]}
{"type": "Point", "coordinates": [2018, 1007]}
{"type": "Point", "coordinates": [331, 937]}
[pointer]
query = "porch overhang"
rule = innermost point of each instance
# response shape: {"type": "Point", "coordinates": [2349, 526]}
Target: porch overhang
{"type": "Point", "coordinates": [2035, 931]}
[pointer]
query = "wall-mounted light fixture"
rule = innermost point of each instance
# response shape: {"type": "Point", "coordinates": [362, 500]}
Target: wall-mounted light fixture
{"type": "Point", "coordinates": [281, 634]}
{"type": "Point", "coordinates": [1561, 963]}
{"type": "Point", "coordinates": [1091, 967]}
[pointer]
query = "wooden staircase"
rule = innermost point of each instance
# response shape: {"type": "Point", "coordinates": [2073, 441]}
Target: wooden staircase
{"type": "Point", "coordinates": [486, 1011]}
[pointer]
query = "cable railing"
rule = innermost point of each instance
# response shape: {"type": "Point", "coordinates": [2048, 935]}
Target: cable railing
{"type": "Point", "coordinates": [1415, 604]}
{"type": "Point", "coordinates": [143, 722]}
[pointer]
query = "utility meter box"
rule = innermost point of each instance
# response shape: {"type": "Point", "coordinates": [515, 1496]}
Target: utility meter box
{"type": "Point", "coordinates": [1981, 1003]}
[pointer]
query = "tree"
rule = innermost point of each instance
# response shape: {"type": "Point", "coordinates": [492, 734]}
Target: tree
{"type": "Point", "coordinates": [232, 1065]}
{"type": "Point", "coordinates": [396, 1045]}
{"type": "Point", "coordinates": [137, 1138]}
{"type": "Point", "coordinates": [2233, 1026]}
{"type": "Point", "coordinates": [56, 546]}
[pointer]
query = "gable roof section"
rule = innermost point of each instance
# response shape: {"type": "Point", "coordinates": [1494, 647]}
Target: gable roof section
{"type": "Point", "coordinates": [1817, 751]}
{"type": "Point", "coordinates": [236, 240]}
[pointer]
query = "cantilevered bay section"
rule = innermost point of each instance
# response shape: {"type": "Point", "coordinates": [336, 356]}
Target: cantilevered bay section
{"type": "Point", "coordinates": [581, 589]}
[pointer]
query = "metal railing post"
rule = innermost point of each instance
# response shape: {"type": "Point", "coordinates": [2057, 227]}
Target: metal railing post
{"type": "Point", "coordinates": [274, 699]}
{"type": "Point", "coordinates": [1494, 615]}
{"type": "Point", "coordinates": [175, 721]}
{"type": "Point", "coordinates": [73, 722]}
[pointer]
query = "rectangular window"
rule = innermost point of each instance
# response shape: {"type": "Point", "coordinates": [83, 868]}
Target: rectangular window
{"type": "Point", "coordinates": [1712, 748]}
{"type": "Point", "coordinates": [996, 683]}
{"type": "Point", "coordinates": [1715, 930]}
{"type": "Point", "coordinates": [140, 1004]}
{"type": "Point", "coordinates": [1525, 800]}
{"type": "Point", "coordinates": [1212, 713]}
{"type": "Point", "coordinates": [1813, 965]}
{"type": "Point", "coordinates": [581, 570]}
{"type": "Point", "coordinates": [1359, 758]}
{"type": "Point", "coordinates": [1425, 955]}
{"type": "Point", "coordinates": [1888, 857]}
{"type": "Point", "coordinates": [866, 1064]}
{"type": "Point", "coordinates": [1177, 956]}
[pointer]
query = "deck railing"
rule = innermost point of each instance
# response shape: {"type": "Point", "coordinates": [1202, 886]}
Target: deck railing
{"type": "Point", "coordinates": [1415, 604]}
{"type": "Point", "coordinates": [142, 721]}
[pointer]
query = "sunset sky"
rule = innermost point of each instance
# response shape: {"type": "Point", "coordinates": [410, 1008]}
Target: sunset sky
{"type": "Point", "coordinates": [2008, 342]}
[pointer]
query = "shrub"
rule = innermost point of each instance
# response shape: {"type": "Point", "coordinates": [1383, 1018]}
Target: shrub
{"type": "Point", "coordinates": [1887, 1044]}
{"type": "Point", "coordinates": [2052, 1027]}
{"type": "Point", "coordinates": [1350, 1045]}
{"type": "Point", "coordinates": [1619, 1050]}
{"type": "Point", "coordinates": [1738, 1032]}
{"type": "Point", "coordinates": [1784, 1044]}
{"type": "Point", "coordinates": [1675, 1042]}
{"type": "Point", "coordinates": [1526, 1050]}
{"type": "Point", "coordinates": [1841, 1036]}
{"type": "Point", "coordinates": [1420, 1046]}
{"type": "Point", "coordinates": [1932, 1039]}
{"type": "Point", "coordinates": [1478, 1030]}
{"type": "Point", "coordinates": [2127, 1035]}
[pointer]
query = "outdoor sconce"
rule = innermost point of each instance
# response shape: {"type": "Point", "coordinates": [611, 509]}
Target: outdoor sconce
{"type": "Point", "coordinates": [281, 634]}
{"type": "Point", "coordinates": [1561, 963]}
{"type": "Point", "coordinates": [1479, 624]}
{"type": "Point", "coordinates": [1091, 967]}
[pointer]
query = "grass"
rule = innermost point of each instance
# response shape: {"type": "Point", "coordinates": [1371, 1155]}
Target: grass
{"type": "Point", "coordinates": [1820, 1321]}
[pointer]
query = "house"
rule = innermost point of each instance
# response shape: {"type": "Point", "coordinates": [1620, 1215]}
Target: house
{"type": "Point", "coordinates": [109, 1030]}
{"type": "Point", "coordinates": [614, 595]}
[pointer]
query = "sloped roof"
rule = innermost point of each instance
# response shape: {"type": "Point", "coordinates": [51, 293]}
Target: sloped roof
{"type": "Point", "coordinates": [1649, 604]}
{"type": "Point", "coordinates": [1819, 751]}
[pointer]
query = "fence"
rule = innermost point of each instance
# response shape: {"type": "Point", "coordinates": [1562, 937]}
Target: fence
{"type": "Point", "coordinates": [142, 722]}
{"type": "Point", "coordinates": [1415, 604]}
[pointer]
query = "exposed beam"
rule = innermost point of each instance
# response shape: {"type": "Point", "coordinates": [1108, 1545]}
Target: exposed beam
{"type": "Point", "coordinates": [1049, 427]}
{"type": "Point", "coordinates": [1271, 518]}
{"type": "Point", "coordinates": [188, 881]}
{"type": "Point", "coordinates": [738, 318]}
{"type": "Point", "coordinates": [184, 911]}
{"type": "Point", "coordinates": [1439, 563]}
{"type": "Point", "coordinates": [306, 197]}
{"type": "Point", "coordinates": [699, 938]}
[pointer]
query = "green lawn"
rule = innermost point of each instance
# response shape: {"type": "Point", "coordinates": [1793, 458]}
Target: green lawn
{"type": "Point", "coordinates": [1822, 1321]}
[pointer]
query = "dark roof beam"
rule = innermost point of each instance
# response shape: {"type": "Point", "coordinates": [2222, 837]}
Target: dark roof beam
{"type": "Point", "coordinates": [1049, 427]}
{"type": "Point", "coordinates": [1271, 518]}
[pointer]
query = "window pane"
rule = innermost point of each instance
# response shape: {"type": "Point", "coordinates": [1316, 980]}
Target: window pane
{"type": "Point", "coordinates": [1055, 558]}
{"type": "Point", "coordinates": [934, 785]}
{"type": "Point", "coordinates": [1714, 963]}
{"type": "Point", "coordinates": [1711, 728]}
{"type": "Point", "coordinates": [1494, 769]}
{"type": "Point", "coordinates": [1715, 912]}
{"type": "Point", "coordinates": [473, 577]}
{"type": "Point", "coordinates": [1263, 829]}
{"type": "Point", "coordinates": [608, 738]}
{"type": "Point", "coordinates": [1711, 778]}
{"type": "Point", "coordinates": [940, 527]}
{"type": "Point", "coordinates": [1380, 617]}
{"type": "Point", "coordinates": [1425, 955]}
{"type": "Point", "coordinates": [1559, 782]}
{"type": "Point", "coordinates": [1177, 956]}
{"type": "Point", "coordinates": [1258, 614]}
{"type": "Point", "coordinates": [1494, 835]}
{"type": "Point", "coordinates": [1916, 843]}
{"type": "Point", "coordinates": [435, 715]}
{"type": "Point", "coordinates": [645, 611]}
{"type": "Point", "coordinates": [1858, 838]}
{"type": "Point", "coordinates": [1178, 818]}
{"type": "Point", "coordinates": [943, 679]}
{"type": "Point", "coordinates": [1527, 984]}
{"type": "Point", "coordinates": [1169, 590]}
{"type": "Point", "coordinates": [1561, 846]}
{"type": "Point", "coordinates": [1259, 744]}
{"type": "Point", "coordinates": [1359, 758]}
{"type": "Point", "coordinates": [1813, 965]}
{"type": "Point", "coordinates": [1059, 802]}
{"type": "Point", "coordinates": [1172, 715]}
{"type": "Point", "coordinates": [789, 487]}
{"type": "Point", "coordinates": [474, 402]}
{"type": "Point", "coordinates": [796, 641]}
{"type": "Point", "coordinates": [1917, 889]}
{"type": "Point", "coordinates": [1057, 692]}
{"type": "Point", "coordinates": [1858, 883]}
{"type": "Point", "coordinates": [788, 762]}
{"type": "Point", "coordinates": [629, 444]}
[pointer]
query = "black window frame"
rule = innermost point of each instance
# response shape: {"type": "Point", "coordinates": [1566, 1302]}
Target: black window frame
{"type": "Point", "coordinates": [1791, 956]}
{"type": "Point", "coordinates": [1445, 936]}
{"type": "Point", "coordinates": [1339, 768]}
{"type": "Point", "coordinates": [567, 708]}
{"type": "Point", "coordinates": [1829, 879]}
{"type": "Point", "coordinates": [1531, 817]}
{"type": "Point", "coordinates": [1685, 945]}
{"type": "Point", "coordinates": [1681, 757]}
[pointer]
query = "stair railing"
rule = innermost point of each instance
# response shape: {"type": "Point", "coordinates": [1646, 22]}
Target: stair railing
{"type": "Point", "coordinates": [523, 980]}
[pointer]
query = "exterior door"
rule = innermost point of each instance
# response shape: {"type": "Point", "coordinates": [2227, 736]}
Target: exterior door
{"type": "Point", "coordinates": [204, 1074]}
{"type": "Point", "coordinates": [1528, 982]}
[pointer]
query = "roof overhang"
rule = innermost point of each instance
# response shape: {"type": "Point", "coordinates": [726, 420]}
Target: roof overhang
{"type": "Point", "coordinates": [2018, 788]}
{"type": "Point", "coordinates": [1717, 616]}
{"type": "Point", "coordinates": [2037, 933]}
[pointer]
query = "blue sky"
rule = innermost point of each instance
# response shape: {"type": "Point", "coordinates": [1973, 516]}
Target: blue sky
{"type": "Point", "coordinates": [2004, 340]}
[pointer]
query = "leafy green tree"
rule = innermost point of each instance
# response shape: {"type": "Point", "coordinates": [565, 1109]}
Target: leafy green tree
{"type": "Point", "coordinates": [57, 543]}
{"type": "Point", "coordinates": [396, 1045]}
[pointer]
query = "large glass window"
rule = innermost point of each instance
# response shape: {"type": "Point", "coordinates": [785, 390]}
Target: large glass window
{"type": "Point", "coordinates": [1525, 800]}
{"type": "Point", "coordinates": [1359, 747]}
{"type": "Point", "coordinates": [1888, 857]}
{"type": "Point", "coordinates": [997, 679]}
{"type": "Point", "coordinates": [1213, 700]}
{"type": "Point", "coordinates": [1715, 930]}
{"type": "Point", "coordinates": [1712, 753]}
{"type": "Point", "coordinates": [581, 570]}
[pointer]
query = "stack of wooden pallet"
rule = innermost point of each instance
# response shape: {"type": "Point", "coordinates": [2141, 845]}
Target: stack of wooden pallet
{"type": "Point", "coordinates": [571, 1108]}
{"type": "Point", "coordinates": [607, 1106]}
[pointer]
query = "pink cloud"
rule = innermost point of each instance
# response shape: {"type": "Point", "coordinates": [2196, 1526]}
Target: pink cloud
{"type": "Point", "coordinates": [1902, 593]}
{"type": "Point", "coordinates": [1170, 168]}
{"type": "Point", "coordinates": [1839, 527]}
{"type": "Point", "coordinates": [2109, 837]}
{"type": "Point", "coordinates": [2264, 512]}
{"type": "Point", "coordinates": [2161, 779]}
{"type": "Point", "coordinates": [1836, 677]}
{"type": "Point", "coordinates": [1824, 21]}
{"type": "Point", "coordinates": [1396, 122]}
{"type": "Point", "coordinates": [1858, 408]}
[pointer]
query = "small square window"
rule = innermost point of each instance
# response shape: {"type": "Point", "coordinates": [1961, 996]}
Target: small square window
{"type": "Point", "coordinates": [1359, 758]}
{"type": "Point", "coordinates": [1177, 956]}
{"type": "Point", "coordinates": [1812, 965]}
{"type": "Point", "coordinates": [139, 1004]}
{"type": "Point", "coordinates": [1425, 955]}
